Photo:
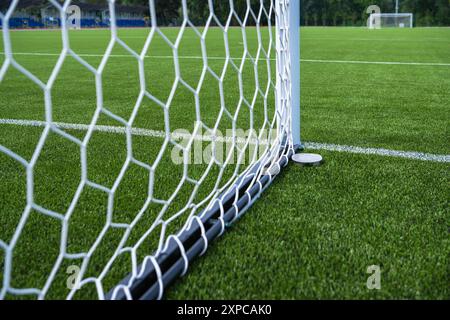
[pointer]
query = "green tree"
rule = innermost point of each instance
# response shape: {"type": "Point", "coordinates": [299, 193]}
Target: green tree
{"type": "Point", "coordinates": [314, 12]}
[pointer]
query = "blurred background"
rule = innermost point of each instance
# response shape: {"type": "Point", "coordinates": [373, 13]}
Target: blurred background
{"type": "Point", "coordinates": [134, 13]}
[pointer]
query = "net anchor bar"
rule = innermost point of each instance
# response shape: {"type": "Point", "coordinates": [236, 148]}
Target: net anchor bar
{"type": "Point", "coordinates": [171, 261]}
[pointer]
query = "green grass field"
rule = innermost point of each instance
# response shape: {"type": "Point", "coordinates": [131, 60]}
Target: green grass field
{"type": "Point", "coordinates": [315, 231]}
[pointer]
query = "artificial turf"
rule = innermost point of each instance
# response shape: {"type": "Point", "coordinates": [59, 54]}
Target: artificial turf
{"type": "Point", "coordinates": [315, 232]}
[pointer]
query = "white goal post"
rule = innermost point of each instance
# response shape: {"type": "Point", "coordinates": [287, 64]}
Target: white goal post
{"type": "Point", "coordinates": [204, 219]}
{"type": "Point", "coordinates": [390, 20]}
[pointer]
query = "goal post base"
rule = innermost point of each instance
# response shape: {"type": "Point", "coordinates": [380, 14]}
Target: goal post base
{"type": "Point", "coordinates": [307, 159]}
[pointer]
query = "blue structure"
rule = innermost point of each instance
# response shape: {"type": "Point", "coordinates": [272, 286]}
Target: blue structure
{"type": "Point", "coordinates": [32, 14]}
{"type": "Point", "coordinates": [22, 23]}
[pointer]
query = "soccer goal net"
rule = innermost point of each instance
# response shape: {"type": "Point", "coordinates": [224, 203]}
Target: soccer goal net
{"type": "Point", "coordinates": [391, 20]}
{"type": "Point", "coordinates": [125, 152]}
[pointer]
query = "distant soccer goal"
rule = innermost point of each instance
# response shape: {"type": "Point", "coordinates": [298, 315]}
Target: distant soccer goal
{"type": "Point", "coordinates": [390, 20]}
{"type": "Point", "coordinates": [125, 153]}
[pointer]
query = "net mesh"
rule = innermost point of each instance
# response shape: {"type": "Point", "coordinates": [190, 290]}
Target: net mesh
{"type": "Point", "coordinates": [80, 249]}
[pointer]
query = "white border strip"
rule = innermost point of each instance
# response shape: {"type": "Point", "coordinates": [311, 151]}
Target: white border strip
{"type": "Point", "coordinates": [309, 145]}
{"type": "Point", "coordinates": [431, 64]}
{"type": "Point", "coordinates": [134, 131]}
{"type": "Point", "coordinates": [379, 152]}
{"type": "Point", "coordinates": [380, 62]}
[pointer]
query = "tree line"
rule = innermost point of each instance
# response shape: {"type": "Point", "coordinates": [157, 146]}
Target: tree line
{"type": "Point", "coordinates": [313, 12]}
{"type": "Point", "coordinates": [353, 12]}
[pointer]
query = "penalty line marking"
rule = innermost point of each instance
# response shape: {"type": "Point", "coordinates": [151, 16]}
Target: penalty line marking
{"type": "Point", "coordinates": [309, 145]}
{"type": "Point", "coordinates": [430, 64]}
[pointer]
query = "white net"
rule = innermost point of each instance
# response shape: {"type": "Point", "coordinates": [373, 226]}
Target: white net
{"type": "Point", "coordinates": [90, 196]}
{"type": "Point", "coordinates": [391, 20]}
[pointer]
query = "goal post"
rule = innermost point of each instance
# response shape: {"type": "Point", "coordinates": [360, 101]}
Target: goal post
{"type": "Point", "coordinates": [391, 20]}
{"type": "Point", "coordinates": [294, 39]}
{"type": "Point", "coordinates": [271, 112]}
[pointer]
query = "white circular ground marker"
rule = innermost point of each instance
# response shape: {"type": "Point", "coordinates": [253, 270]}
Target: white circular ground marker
{"type": "Point", "coordinates": [307, 159]}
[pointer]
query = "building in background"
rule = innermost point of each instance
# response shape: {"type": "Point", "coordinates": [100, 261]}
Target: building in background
{"type": "Point", "coordinates": [41, 14]}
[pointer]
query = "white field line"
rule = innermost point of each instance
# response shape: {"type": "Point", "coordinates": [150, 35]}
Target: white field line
{"type": "Point", "coordinates": [380, 152]}
{"type": "Point", "coordinates": [176, 136]}
{"type": "Point", "coordinates": [433, 64]}
{"type": "Point", "coordinates": [379, 62]}
{"type": "Point", "coordinates": [374, 39]}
